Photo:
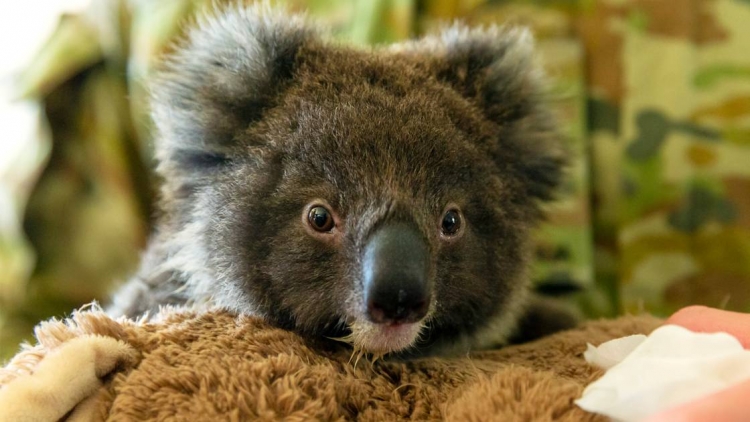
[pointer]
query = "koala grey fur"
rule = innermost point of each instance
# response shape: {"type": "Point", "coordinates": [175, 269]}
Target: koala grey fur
{"type": "Point", "coordinates": [258, 115]}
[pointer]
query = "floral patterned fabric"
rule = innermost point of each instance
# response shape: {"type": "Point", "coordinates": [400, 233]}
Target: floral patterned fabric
{"type": "Point", "coordinates": [654, 98]}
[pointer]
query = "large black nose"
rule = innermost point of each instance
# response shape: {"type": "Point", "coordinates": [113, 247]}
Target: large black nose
{"type": "Point", "coordinates": [395, 273]}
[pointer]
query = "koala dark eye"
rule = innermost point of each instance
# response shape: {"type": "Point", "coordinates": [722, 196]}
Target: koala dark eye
{"type": "Point", "coordinates": [451, 222]}
{"type": "Point", "coordinates": [320, 219]}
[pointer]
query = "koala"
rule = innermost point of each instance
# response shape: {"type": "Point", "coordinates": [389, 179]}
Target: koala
{"type": "Point", "coordinates": [379, 196]}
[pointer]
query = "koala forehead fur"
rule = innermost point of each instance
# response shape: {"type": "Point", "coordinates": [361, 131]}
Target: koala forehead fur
{"type": "Point", "coordinates": [259, 118]}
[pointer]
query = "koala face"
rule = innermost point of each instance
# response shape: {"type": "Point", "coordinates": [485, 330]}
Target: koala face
{"type": "Point", "coordinates": [383, 197]}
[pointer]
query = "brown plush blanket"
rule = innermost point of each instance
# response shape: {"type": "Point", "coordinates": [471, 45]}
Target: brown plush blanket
{"type": "Point", "coordinates": [216, 366]}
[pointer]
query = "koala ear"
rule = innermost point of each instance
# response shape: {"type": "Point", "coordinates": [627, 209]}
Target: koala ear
{"type": "Point", "coordinates": [226, 72]}
{"type": "Point", "coordinates": [496, 71]}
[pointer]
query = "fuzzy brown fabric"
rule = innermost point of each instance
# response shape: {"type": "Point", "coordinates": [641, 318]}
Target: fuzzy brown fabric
{"type": "Point", "coordinates": [216, 366]}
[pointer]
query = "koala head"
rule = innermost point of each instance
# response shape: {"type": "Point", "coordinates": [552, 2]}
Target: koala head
{"type": "Point", "coordinates": [384, 196]}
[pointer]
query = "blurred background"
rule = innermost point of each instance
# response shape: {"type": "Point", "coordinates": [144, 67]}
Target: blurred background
{"type": "Point", "coordinates": [654, 96]}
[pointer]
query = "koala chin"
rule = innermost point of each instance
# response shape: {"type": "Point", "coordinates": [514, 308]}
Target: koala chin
{"type": "Point", "coordinates": [381, 196]}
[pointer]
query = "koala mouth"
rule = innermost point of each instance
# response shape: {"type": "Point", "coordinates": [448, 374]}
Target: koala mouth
{"type": "Point", "coordinates": [380, 339]}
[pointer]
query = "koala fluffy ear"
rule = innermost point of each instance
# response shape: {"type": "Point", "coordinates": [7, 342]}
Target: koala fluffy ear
{"type": "Point", "coordinates": [228, 69]}
{"type": "Point", "coordinates": [495, 69]}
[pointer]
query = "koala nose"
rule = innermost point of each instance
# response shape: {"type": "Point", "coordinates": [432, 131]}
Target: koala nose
{"type": "Point", "coordinates": [395, 275]}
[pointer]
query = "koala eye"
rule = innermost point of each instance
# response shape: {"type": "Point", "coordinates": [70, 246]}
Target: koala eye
{"type": "Point", "coordinates": [320, 219]}
{"type": "Point", "coordinates": [451, 222]}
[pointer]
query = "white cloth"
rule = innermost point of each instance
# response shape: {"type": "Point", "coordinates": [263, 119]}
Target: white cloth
{"type": "Point", "coordinates": [671, 366]}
